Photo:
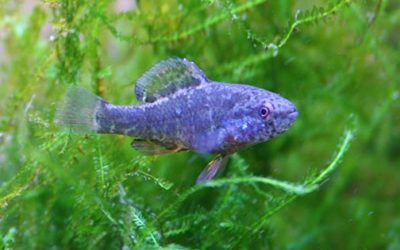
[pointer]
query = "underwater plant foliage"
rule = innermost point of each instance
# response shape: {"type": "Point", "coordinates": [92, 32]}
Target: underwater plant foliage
{"type": "Point", "coordinates": [329, 182]}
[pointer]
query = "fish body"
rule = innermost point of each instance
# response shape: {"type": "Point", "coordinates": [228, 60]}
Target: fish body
{"type": "Point", "coordinates": [181, 110]}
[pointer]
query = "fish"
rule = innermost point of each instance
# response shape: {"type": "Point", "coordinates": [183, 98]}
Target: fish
{"type": "Point", "coordinates": [180, 109]}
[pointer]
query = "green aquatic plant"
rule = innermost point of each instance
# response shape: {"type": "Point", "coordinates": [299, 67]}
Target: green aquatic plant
{"type": "Point", "coordinates": [335, 59]}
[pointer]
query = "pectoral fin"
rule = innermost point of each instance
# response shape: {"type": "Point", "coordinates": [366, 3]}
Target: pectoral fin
{"type": "Point", "coordinates": [212, 169]}
{"type": "Point", "coordinates": [152, 147]}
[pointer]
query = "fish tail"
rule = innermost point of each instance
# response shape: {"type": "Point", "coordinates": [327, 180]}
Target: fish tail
{"type": "Point", "coordinates": [78, 111]}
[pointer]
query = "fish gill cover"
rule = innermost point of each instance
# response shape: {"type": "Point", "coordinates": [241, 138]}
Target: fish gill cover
{"type": "Point", "coordinates": [331, 181]}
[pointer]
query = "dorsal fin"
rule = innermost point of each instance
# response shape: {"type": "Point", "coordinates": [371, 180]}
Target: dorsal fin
{"type": "Point", "coordinates": [166, 77]}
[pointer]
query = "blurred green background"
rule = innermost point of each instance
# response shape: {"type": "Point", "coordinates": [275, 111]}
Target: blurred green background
{"type": "Point", "coordinates": [338, 61]}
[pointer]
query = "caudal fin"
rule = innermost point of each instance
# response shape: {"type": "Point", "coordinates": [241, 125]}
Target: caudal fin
{"type": "Point", "coordinates": [78, 111]}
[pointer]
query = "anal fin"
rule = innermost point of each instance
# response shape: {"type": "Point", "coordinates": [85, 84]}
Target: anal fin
{"type": "Point", "coordinates": [153, 147]}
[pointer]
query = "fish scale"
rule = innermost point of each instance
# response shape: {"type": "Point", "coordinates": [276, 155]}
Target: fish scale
{"type": "Point", "coordinates": [181, 110]}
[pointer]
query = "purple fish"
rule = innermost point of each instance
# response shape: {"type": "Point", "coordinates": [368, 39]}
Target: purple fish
{"type": "Point", "coordinates": [183, 110]}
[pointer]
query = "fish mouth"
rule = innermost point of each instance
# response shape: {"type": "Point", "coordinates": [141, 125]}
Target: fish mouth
{"type": "Point", "coordinates": [293, 115]}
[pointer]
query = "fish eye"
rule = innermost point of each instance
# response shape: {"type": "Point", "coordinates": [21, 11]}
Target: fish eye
{"type": "Point", "coordinates": [264, 112]}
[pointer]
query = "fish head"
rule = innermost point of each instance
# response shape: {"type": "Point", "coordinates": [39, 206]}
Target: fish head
{"type": "Point", "coordinates": [268, 115]}
{"type": "Point", "coordinates": [277, 114]}
{"type": "Point", "coordinates": [258, 115]}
